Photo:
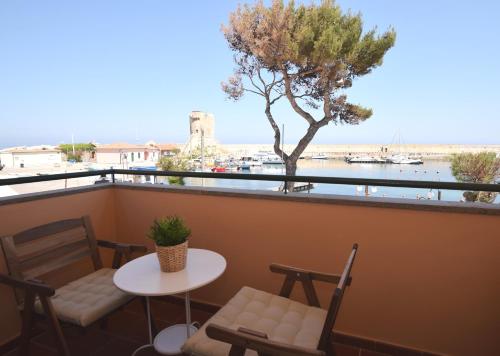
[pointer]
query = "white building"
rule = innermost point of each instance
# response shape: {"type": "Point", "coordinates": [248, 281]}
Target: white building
{"type": "Point", "coordinates": [168, 149]}
{"type": "Point", "coordinates": [27, 157]}
{"type": "Point", "coordinates": [124, 155]}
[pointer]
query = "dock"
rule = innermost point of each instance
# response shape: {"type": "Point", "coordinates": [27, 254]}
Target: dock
{"type": "Point", "coordinates": [298, 187]}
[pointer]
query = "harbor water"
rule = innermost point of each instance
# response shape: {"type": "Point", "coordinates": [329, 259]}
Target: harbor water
{"type": "Point", "coordinates": [431, 170]}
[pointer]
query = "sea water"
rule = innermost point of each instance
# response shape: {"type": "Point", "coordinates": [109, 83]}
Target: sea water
{"type": "Point", "coordinates": [431, 170]}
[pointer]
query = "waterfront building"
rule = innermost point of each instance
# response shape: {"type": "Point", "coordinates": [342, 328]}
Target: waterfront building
{"type": "Point", "coordinates": [126, 154]}
{"type": "Point", "coordinates": [32, 156]}
{"type": "Point", "coordinates": [167, 149]}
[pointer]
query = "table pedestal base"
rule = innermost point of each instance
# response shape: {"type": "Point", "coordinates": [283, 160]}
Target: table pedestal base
{"type": "Point", "coordinates": [142, 348]}
{"type": "Point", "coordinates": [170, 340]}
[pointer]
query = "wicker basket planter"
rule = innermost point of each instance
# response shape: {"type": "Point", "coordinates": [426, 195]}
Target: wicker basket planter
{"type": "Point", "coordinates": [172, 258]}
{"type": "Point", "coordinates": [170, 235]}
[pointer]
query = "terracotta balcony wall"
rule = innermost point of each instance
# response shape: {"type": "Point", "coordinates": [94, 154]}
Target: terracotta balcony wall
{"type": "Point", "coordinates": [426, 276]}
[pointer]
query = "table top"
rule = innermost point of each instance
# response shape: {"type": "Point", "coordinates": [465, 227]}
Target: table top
{"type": "Point", "coordinates": [143, 276]}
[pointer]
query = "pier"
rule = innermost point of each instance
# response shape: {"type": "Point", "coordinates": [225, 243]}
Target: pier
{"type": "Point", "coordinates": [298, 187]}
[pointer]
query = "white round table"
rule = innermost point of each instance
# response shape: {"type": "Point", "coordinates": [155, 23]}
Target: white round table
{"type": "Point", "coordinates": [144, 277]}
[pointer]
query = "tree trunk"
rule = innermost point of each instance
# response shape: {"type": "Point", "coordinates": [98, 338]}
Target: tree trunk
{"type": "Point", "coordinates": [290, 170]}
{"type": "Point", "coordinates": [290, 160]}
{"type": "Point", "coordinates": [290, 167]}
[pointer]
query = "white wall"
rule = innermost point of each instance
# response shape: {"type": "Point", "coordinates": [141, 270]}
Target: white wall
{"type": "Point", "coordinates": [6, 159]}
{"type": "Point", "coordinates": [30, 159]}
{"type": "Point", "coordinates": [114, 157]}
{"type": "Point", "coordinates": [107, 157]}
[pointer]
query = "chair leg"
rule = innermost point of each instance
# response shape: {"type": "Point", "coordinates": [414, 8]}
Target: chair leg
{"type": "Point", "coordinates": [103, 323]}
{"type": "Point", "coordinates": [237, 351]}
{"type": "Point", "coordinates": [82, 330]}
{"type": "Point", "coordinates": [330, 348]}
{"type": "Point", "coordinates": [154, 330]}
{"type": "Point", "coordinates": [27, 316]}
{"type": "Point", "coordinates": [62, 346]}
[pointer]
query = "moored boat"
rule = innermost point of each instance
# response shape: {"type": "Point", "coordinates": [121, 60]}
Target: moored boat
{"type": "Point", "coordinates": [319, 156]}
{"type": "Point", "coordinates": [251, 161]}
{"type": "Point", "coordinates": [403, 159]}
{"type": "Point", "coordinates": [272, 160]}
{"type": "Point", "coordinates": [365, 159]}
{"type": "Point", "coordinates": [244, 167]}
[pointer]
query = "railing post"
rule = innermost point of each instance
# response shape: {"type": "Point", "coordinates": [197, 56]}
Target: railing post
{"type": "Point", "coordinates": [285, 186]}
{"type": "Point", "coordinates": [113, 175]}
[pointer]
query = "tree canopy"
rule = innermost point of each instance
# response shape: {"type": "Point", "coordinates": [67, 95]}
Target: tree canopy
{"type": "Point", "coordinates": [176, 163]}
{"type": "Point", "coordinates": [307, 54]}
{"type": "Point", "coordinates": [483, 167]}
{"type": "Point", "coordinates": [79, 147]}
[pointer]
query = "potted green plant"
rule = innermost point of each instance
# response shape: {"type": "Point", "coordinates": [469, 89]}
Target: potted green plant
{"type": "Point", "coordinates": [170, 235]}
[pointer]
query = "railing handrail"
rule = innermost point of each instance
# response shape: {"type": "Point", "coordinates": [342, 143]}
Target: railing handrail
{"type": "Point", "coordinates": [50, 177]}
{"type": "Point", "coordinates": [261, 177]}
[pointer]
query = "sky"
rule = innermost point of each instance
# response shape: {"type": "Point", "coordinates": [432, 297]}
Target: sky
{"type": "Point", "coordinates": [122, 70]}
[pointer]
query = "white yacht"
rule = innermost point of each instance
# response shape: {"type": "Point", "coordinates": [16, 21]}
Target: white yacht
{"type": "Point", "coordinates": [272, 159]}
{"type": "Point", "coordinates": [399, 157]}
{"type": "Point", "coordinates": [250, 161]}
{"type": "Point", "coordinates": [319, 156]}
{"type": "Point", "coordinates": [365, 159]}
{"type": "Point", "coordinates": [403, 159]}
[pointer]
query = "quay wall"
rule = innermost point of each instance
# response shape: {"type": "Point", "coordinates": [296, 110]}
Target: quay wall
{"type": "Point", "coordinates": [340, 150]}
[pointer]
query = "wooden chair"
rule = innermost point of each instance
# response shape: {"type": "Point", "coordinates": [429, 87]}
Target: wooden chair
{"type": "Point", "coordinates": [32, 253]}
{"type": "Point", "coordinates": [274, 325]}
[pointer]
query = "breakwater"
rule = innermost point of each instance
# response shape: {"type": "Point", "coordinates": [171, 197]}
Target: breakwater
{"type": "Point", "coordinates": [430, 151]}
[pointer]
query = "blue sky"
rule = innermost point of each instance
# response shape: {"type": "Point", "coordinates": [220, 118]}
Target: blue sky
{"type": "Point", "coordinates": [133, 70]}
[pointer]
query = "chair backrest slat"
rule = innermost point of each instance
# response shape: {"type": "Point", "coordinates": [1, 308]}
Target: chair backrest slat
{"type": "Point", "coordinates": [43, 249]}
{"type": "Point", "coordinates": [336, 301]}
{"type": "Point", "coordinates": [54, 259]}
{"type": "Point", "coordinates": [45, 244]}
{"type": "Point", "coordinates": [47, 230]}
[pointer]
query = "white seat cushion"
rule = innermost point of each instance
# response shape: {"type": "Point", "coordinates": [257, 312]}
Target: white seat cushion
{"type": "Point", "coordinates": [87, 299]}
{"type": "Point", "coordinates": [282, 319]}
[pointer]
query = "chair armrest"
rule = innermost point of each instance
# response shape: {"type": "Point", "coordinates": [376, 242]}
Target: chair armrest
{"type": "Point", "coordinates": [297, 272]}
{"type": "Point", "coordinates": [36, 287]}
{"type": "Point", "coordinates": [121, 249]}
{"type": "Point", "coordinates": [252, 332]}
{"type": "Point", "coordinates": [243, 339]}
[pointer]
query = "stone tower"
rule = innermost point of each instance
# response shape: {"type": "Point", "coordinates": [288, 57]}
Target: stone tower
{"type": "Point", "coordinates": [201, 122]}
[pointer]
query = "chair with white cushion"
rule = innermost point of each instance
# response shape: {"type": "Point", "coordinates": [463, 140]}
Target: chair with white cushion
{"type": "Point", "coordinates": [256, 322]}
{"type": "Point", "coordinates": [35, 252]}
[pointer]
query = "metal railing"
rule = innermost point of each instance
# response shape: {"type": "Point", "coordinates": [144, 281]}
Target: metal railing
{"type": "Point", "coordinates": [261, 177]}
